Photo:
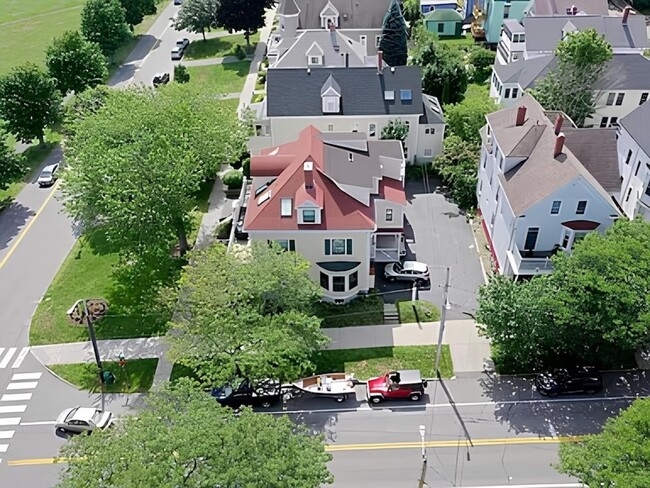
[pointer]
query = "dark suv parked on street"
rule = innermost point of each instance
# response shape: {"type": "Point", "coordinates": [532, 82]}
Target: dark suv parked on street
{"type": "Point", "coordinates": [577, 379]}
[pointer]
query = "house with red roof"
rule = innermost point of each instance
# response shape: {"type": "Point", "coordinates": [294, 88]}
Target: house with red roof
{"type": "Point", "coordinates": [336, 198]}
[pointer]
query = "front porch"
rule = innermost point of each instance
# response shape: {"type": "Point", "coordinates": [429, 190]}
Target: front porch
{"type": "Point", "coordinates": [387, 247]}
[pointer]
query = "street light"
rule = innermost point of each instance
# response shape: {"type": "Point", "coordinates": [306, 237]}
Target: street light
{"type": "Point", "coordinates": [424, 458]}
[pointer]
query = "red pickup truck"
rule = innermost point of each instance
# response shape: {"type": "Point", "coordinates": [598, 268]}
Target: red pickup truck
{"type": "Point", "coordinates": [396, 385]}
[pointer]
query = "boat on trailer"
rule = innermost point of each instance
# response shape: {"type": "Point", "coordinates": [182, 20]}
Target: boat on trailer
{"type": "Point", "coordinates": [331, 385]}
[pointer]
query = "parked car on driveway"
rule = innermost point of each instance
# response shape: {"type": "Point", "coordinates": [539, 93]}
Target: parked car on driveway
{"type": "Point", "coordinates": [407, 271]}
{"type": "Point", "coordinates": [396, 385]}
{"type": "Point", "coordinates": [49, 175]}
{"type": "Point", "coordinates": [177, 53]}
{"type": "Point", "coordinates": [578, 379]}
{"type": "Point", "coordinates": [264, 394]}
{"type": "Point", "coordinates": [83, 419]}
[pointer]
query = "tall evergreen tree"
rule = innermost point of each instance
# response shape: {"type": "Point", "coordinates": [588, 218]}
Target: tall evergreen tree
{"type": "Point", "coordinates": [394, 36]}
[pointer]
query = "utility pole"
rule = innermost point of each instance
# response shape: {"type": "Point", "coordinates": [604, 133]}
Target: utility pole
{"type": "Point", "coordinates": [443, 316]}
{"type": "Point", "coordinates": [421, 482]}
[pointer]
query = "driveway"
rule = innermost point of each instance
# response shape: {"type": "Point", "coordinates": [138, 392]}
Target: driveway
{"type": "Point", "coordinates": [438, 234]}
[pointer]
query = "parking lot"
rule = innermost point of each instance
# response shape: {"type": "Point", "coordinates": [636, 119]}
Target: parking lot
{"type": "Point", "coordinates": [438, 234]}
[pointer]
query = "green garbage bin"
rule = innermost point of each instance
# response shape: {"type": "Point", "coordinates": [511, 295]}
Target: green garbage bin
{"type": "Point", "coordinates": [109, 378]}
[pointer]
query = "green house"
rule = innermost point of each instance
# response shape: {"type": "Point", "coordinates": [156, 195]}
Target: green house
{"type": "Point", "coordinates": [444, 22]}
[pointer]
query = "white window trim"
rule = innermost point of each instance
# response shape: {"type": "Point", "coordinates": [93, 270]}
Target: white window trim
{"type": "Point", "coordinates": [316, 210]}
{"type": "Point", "coordinates": [286, 207]}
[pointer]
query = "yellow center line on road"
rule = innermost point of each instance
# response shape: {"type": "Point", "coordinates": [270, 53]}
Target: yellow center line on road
{"type": "Point", "coordinates": [14, 246]}
{"type": "Point", "coordinates": [452, 443]}
{"type": "Point", "coordinates": [387, 445]}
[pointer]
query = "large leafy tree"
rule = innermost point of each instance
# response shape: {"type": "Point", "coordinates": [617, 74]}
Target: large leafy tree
{"type": "Point", "coordinates": [466, 118]}
{"type": "Point", "coordinates": [197, 16]}
{"type": "Point", "coordinates": [75, 63]}
{"type": "Point", "coordinates": [481, 61]}
{"type": "Point", "coordinates": [618, 456]}
{"type": "Point", "coordinates": [135, 10]}
{"type": "Point", "coordinates": [104, 22]}
{"type": "Point", "coordinates": [11, 166]}
{"type": "Point", "coordinates": [603, 290]}
{"type": "Point", "coordinates": [457, 166]}
{"type": "Point", "coordinates": [595, 307]}
{"type": "Point", "coordinates": [140, 158]}
{"type": "Point", "coordinates": [582, 58]}
{"type": "Point", "coordinates": [29, 102]}
{"type": "Point", "coordinates": [394, 36]}
{"type": "Point", "coordinates": [183, 437]}
{"type": "Point", "coordinates": [412, 13]}
{"type": "Point", "coordinates": [242, 15]}
{"type": "Point", "coordinates": [443, 70]}
{"type": "Point", "coordinates": [241, 315]}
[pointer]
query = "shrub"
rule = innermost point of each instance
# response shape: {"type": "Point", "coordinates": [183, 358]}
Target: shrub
{"type": "Point", "coordinates": [181, 75]}
{"type": "Point", "coordinates": [261, 77]}
{"type": "Point", "coordinates": [258, 98]}
{"type": "Point", "coordinates": [246, 167]}
{"type": "Point", "coordinates": [224, 228]}
{"type": "Point", "coordinates": [233, 179]}
{"type": "Point", "coordinates": [367, 310]}
{"type": "Point", "coordinates": [240, 52]}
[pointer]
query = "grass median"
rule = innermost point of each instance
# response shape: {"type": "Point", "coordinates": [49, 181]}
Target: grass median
{"type": "Point", "coordinates": [220, 47]}
{"type": "Point", "coordinates": [134, 377]}
{"type": "Point", "coordinates": [220, 79]}
{"type": "Point", "coordinates": [418, 311]}
{"type": "Point", "coordinates": [375, 361]}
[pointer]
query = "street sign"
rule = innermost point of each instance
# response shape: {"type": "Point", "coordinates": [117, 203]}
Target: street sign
{"type": "Point", "coordinates": [97, 308]}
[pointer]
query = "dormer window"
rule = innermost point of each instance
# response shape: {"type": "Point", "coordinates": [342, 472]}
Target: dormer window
{"type": "Point", "coordinates": [331, 96]}
{"type": "Point", "coordinates": [329, 15]}
{"type": "Point", "coordinates": [310, 215]}
{"type": "Point", "coordinates": [314, 55]}
{"type": "Point", "coordinates": [315, 60]}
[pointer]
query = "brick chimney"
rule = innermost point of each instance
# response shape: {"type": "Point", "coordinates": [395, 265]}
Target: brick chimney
{"type": "Point", "coordinates": [308, 169]}
{"type": "Point", "coordinates": [626, 13]}
{"type": "Point", "coordinates": [559, 145]}
{"type": "Point", "coordinates": [558, 124]}
{"type": "Point", "coordinates": [331, 26]}
{"type": "Point", "coordinates": [521, 116]}
{"type": "Point", "coordinates": [380, 61]}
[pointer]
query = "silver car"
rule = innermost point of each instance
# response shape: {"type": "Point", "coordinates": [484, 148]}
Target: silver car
{"type": "Point", "coordinates": [177, 53]}
{"type": "Point", "coordinates": [49, 175]}
{"type": "Point", "coordinates": [407, 271]}
{"type": "Point", "coordinates": [83, 419]}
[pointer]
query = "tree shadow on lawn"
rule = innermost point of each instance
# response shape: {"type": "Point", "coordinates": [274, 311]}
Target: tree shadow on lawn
{"type": "Point", "coordinates": [216, 47]}
{"type": "Point", "coordinates": [135, 305]}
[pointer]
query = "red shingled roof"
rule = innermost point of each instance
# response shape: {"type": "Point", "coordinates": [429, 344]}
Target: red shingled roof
{"type": "Point", "coordinates": [340, 210]}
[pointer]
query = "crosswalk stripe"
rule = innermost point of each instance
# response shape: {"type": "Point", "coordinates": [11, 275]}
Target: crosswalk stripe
{"type": "Point", "coordinates": [26, 376]}
{"type": "Point", "coordinates": [15, 397]}
{"type": "Point", "coordinates": [25, 385]}
{"type": "Point", "coordinates": [5, 360]}
{"type": "Point", "coordinates": [21, 357]}
{"type": "Point", "coordinates": [3, 447]}
{"type": "Point", "coordinates": [12, 408]}
{"type": "Point", "coordinates": [10, 421]}
{"type": "Point", "coordinates": [7, 434]}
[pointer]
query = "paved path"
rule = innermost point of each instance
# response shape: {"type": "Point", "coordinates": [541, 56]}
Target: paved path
{"type": "Point", "coordinates": [211, 61]}
{"type": "Point", "coordinates": [469, 351]}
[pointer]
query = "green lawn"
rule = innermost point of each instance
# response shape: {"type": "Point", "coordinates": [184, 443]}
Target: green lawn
{"type": "Point", "coordinates": [361, 311]}
{"type": "Point", "coordinates": [467, 40]}
{"type": "Point", "coordinates": [418, 311]}
{"type": "Point", "coordinates": [136, 376]}
{"type": "Point", "coordinates": [28, 26]}
{"type": "Point", "coordinates": [89, 272]}
{"type": "Point", "coordinates": [33, 158]}
{"type": "Point", "coordinates": [376, 361]}
{"type": "Point", "coordinates": [220, 47]}
{"type": "Point", "coordinates": [220, 78]}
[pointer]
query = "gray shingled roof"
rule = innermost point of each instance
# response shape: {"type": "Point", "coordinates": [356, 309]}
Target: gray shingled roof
{"type": "Point", "coordinates": [288, 7]}
{"type": "Point", "coordinates": [357, 14]}
{"type": "Point", "coordinates": [296, 92]}
{"type": "Point", "coordinates": [558, 7]}
{"type": "Point", "coordinates": [544, 33]}
{"type": "Point", "coordinates": [329, 42]}
{"type": "Point", "coordinates": [637, 124]}
{"type": "Point", "coordinates": [513, 26]}
{"type": "Point", "coordinates": [432, 111]}
{"type": "Point", "coordinates": [624, 72]}
{"type": "Point", "coordinates": [541, 174]}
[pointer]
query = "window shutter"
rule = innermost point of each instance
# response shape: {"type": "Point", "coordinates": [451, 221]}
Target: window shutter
{"type": "Point", "coordinates": [349, 246]}
{"type": "Point", "coordinates": [292, 245]}
{"type": "Point", "coordinates": [327, 247]}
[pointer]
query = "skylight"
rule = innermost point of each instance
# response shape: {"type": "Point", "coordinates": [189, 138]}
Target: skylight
{"type": "Point", "coordinates": [389, 95]}
{"type": "Point", "coordinates": [406, 95]}
{"type": "Point", "coordinates": [264, 187]}
{"type": "Point", "coordinates": [264, 198]}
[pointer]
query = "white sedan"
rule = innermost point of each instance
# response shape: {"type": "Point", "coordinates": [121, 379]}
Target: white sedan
{"type": "Point", "coordinates": [407, 271]}
{"type": "Point", "coordinates": [83, 419]}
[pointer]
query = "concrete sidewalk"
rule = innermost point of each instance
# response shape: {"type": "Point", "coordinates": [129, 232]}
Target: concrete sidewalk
{"type": "Point", "coordinates": [211, 61]}
{"type": "Point", "coordinates": [469, 351]}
